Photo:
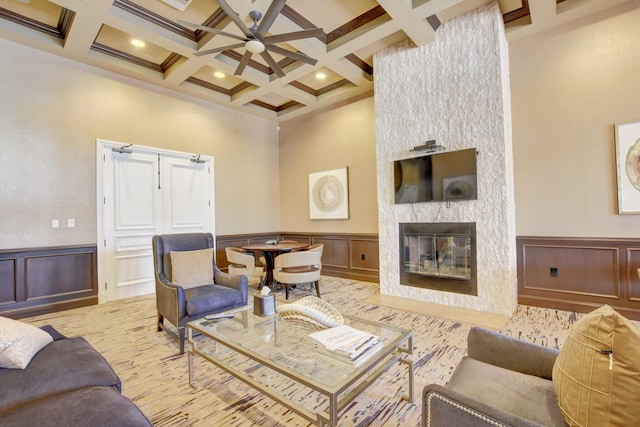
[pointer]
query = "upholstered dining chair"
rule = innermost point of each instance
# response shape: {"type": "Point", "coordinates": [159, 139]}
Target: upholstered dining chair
{"type": "Point", "coordinates": [242, 262]}
{"type": "Point", "coordinates": [297, 267]}
{"type": "Point", "coordinates": [189, 285]}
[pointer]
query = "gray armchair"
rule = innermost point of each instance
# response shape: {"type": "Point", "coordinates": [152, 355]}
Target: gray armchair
{"type": "Point", "coordinates": [181, 305]}
{"type": "Point", "coordinates": [502, 382]}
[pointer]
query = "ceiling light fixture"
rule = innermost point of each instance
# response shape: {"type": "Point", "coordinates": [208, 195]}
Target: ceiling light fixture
{"type": "Point", "coordinates": [254, 46]}
{"type": "Point", "coordinates": [138, 43]}
{"type": "Point", "coordinates": [219, 74]}
{"type": "Point", "coordinates": [321, 76]}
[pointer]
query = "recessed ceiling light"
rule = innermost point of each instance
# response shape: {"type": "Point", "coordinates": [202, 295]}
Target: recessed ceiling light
{"type": "Point", "coordinates": [321, 76]}
{"type": "Point", "coordinates": [138, 43]}
{"type": "Point", "coordinates": [219, 74]}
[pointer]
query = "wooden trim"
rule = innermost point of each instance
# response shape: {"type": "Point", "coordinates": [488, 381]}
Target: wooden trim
{"type": "Point", "coordinates": [516, 14]}
{"type": "Point", "coordinates": [43, 280]}
{"type": "Point", "coordinates": [60, 32]}
{"type": "Point", "coordinates": [207, 85]}
{"type": "Point", "coordinates": [156, 19]}
{"type": "Point", "coordinates": [107, 50]}
{"type": "Point", "coordinates": [355, 23]}
{"type": "Point", "coordinates": [579, 274]}
{"type": "Point", "coordinates": [359, 63]}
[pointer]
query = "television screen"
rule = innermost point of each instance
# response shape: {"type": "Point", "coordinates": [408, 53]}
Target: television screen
{"type": "Point", "coordinates": [438, 177]}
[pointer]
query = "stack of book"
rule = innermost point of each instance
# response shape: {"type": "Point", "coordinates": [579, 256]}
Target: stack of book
{"type": "Point", "coordinates": [347, 344]}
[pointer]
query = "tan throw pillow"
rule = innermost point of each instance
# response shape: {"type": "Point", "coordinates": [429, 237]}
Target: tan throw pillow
{"type": "Point", "coordinates": [192, 268]}
{"type": "Point", "coordinates": [597, 373]}
{"type": "Point", "coordinates": [19, 342]}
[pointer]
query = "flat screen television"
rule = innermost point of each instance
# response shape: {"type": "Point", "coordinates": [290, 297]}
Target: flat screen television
{"type": "Point", "coordinates": [439, 177]}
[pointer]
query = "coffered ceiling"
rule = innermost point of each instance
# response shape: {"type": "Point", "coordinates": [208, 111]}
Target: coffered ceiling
{"type": "Point", "coordinates": [102, 33]}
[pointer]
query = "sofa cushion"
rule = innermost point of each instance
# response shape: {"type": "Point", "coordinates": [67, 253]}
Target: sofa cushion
{"type": "Point", "coordinates": [597, 374]}
{"type": "Point", "coordinates": [91, 406]}
{"type": "Point", "coordinates": [19, 342]}
{"type": "Point", "coordinates": [211, 298]}
{"type": "Point", "coordinates": [64, 365]}
{"type": "Point", "coordinates": [526, 396]}
{"type": "Point", "coordinates": [192, 268]}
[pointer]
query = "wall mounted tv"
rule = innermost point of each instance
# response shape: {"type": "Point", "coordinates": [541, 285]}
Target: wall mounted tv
{"type": "Point", "coordinates": [439, 177]}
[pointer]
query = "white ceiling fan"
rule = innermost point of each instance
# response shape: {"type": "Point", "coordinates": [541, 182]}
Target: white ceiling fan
{"type": "Point", "coordinates": [256, 40]}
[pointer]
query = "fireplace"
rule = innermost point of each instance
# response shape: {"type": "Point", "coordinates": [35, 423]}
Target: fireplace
{"type": "Point", "coordinates": [439, 256]}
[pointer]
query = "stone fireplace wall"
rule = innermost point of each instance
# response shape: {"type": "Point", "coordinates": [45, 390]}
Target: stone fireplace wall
{"type": "Point", "coordinates": [456, 91]}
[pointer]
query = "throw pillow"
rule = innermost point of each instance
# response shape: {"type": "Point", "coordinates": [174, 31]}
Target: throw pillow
{"type": "Point", "coordinates": [597, 374]}
{"type": "Point", "coordinates": [19, 342]}
{"type": "Point", "coordinates": [192, 268]}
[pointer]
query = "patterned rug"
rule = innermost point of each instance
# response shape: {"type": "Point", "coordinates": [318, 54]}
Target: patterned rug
{"type": "Point", "coordinates": [155, 377]}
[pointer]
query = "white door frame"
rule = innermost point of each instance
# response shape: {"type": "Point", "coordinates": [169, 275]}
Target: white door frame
{"type": "Point", "coordinates": [101, 146]}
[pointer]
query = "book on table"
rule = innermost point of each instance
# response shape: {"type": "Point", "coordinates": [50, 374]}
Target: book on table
{"type": "Point", "coordinates": [347, 344]}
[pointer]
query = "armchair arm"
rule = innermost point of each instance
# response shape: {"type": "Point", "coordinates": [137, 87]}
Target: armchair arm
{"type": "Point", "coordinates": [231, 281]}
{"type": "Point", "coordinates": [170, 299]}
{"type": "Point", "coordinates": [511, 353]}
{"type": "Point", "coordinates": [444, 407]}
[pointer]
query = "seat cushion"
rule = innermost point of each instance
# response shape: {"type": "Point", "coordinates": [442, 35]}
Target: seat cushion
{"type": "Point", "coordinates": [211, 298]}
{"type": "Point", "coordinates": [527, 396]}
{"type": "Point", "coordinates": [597, 373]}
{"type": "Point", "coordinates": [92, 406]}
{"type": "Point", "coordinates": [63, 365]}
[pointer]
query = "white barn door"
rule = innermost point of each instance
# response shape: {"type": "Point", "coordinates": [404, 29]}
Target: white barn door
{"type": "Point", "coordinates": [140, 194]}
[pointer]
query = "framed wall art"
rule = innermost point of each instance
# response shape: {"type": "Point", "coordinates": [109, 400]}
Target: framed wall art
{"type": "Point", "coordinates": [628, 167]}
{"type": "Point", "coordinates": [329, 194]}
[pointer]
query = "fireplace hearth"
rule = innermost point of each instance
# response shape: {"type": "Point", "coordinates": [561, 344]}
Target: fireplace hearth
{"type": "Point", "coordinates": [439, 256]}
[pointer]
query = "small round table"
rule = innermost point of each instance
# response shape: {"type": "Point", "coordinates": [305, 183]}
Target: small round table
{"type": "Point", "coordinates": [270, 253]}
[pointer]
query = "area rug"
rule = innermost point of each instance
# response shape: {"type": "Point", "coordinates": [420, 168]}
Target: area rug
{"type": "Point", "coordinates": [155, 377]}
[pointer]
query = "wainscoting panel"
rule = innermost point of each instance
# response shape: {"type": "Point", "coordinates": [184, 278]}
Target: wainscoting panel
{"type": "Point", "coordinates": [632, 274]}
{"type": "Point", "coordinates": [365, 254]}
{"type": "Point", "coordinates": [335, 253]}
{"type": "Point", "coordinates": [44, 280]}
{"type": "Point", "coordinates": [351, 256]}
{"type": "Point", "coordinates": [579, 273]}
{"type": "Point", "coordinates": [8, 281]}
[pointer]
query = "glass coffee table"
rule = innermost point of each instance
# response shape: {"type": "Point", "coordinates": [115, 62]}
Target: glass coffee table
{"type": "Point", "coordinates": [278, 358]}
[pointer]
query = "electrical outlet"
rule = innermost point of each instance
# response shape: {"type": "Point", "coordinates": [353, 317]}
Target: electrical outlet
{"type": "Point", "coordinates": [55, 223]}
{"type": "Point", "coordinates": [71, 223]}
{"type": "Point", "coordinates": [553, 272]}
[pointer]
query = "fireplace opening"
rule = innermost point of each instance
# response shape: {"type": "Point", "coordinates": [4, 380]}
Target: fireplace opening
{"type": "Point", "coordinates": [439, 256]}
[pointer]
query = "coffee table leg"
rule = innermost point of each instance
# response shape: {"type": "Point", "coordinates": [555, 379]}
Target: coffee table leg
{"type": "Point", "coordinates": [409, 363]}
{"type": "Point", "coordinates": [322, 420]}
{"type": "Point", "coordinates": [190, 356]}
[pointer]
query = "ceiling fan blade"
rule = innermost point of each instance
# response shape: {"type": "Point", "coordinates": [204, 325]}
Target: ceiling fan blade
{"type": "Point", "coordinates": [296, 35]}
{"type": "Point", "coordinates": [293, 55]}
{"type": "Point", "coordinates": [270, 16]}
{"type": "Point", "coordinates": [218, 49]}
{"type": "Point", "coordinates": [211, 30]}
{"type": "Point", "coordinates": [272, 63]}
{"type": "Point", "coordinates": [234, 17]}
{"type": "Point", "coordinates": [243, 63]}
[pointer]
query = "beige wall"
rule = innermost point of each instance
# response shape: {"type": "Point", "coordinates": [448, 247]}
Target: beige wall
{"type": "Point", "coordinates": [569, 88]}
{"type": "Point", "coordinates": [326, 140]}
{"type": "Point", "coordinates": [52, 110]}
